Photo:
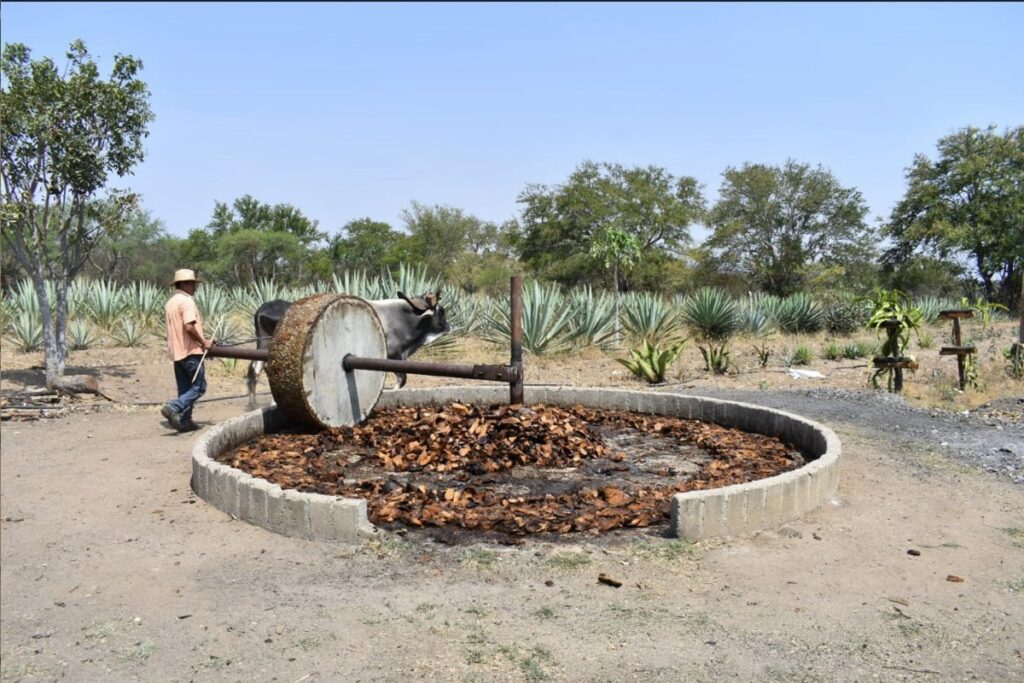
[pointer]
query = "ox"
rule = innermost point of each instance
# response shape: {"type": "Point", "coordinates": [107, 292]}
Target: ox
{"type": "Point", "coordinates": [409, 323]}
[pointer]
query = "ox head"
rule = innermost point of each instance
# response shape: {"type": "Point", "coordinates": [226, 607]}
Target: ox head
{"type": "Point", "coordinates": [428, 307]}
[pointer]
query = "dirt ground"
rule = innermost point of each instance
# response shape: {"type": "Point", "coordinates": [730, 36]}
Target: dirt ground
{"type": "Point", "coordinates": [111, 569]}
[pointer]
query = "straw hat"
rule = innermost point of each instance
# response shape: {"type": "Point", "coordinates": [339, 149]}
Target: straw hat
{"type": "Point", "coordinates": [184, 275]}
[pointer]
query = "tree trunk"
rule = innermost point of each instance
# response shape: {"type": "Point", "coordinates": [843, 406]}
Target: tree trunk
{"type": "Point", "coordinates": [54, 352]}
{"type": "Point", "coordinates": [77, 384]}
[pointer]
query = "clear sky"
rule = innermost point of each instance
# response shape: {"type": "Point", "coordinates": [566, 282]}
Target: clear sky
{"type": "Point", "coordinates": [355, 110]}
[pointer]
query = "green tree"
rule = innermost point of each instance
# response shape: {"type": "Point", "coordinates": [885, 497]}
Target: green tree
{"type": "Point", "coordinates": [251, 240]}
{"type": "Point", "coordinates": [141, 251]}
{"type": "Point", "coordinates": [365, 244]}
{"type": "Point", "coordinates": [779, 227]}
{"type": "Point", "coordinates": [616, 249]}
{"type": "Point", "coordinates": [967, 203]}
{"type": "Point", "coordinates": [439, 236]}
{"type": "Point", "coordinates": [64, 134]}
{"type": "Point", "coordinates": [562, 224]}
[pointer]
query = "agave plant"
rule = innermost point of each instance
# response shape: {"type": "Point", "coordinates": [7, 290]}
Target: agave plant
{"type": "Point", "coordinates": [844, 314]}
{"type": "Point", "coordinates": [801, 355]}
{"type": "Point", "coordinates": [145, 301]}
{"type": "Point", "coordinates": [769, 305]}
{"type": "Point", "coordinates": [81, 334]}
{"type": "Point", "coordinates": [129, 332]}
{"type": "Point", "coordinates": [354, 282]}
{"type": "Point", "coordinates": [593, 318]}
{"type": "Point", "coordinates": [214, 302]}
{"type": "Point", "coordinates": [266, 289]}
{"type": "Point", "coordinates": [716, 358]}
{"type": "Point", "coordinates": [412, 280]}
{"type": "Point", "coordinates": [105, 303]}
{"type": "Point", "coordinates": [650, 362]}
{"type": "Point", "coordinates": [546, 320]}
{"type": "Point", "coordinates": [649, 317]}
{"type": "Point", "coordinates": [800, 314]}
{"type": "Point", "coordinates": [832, 351]}
{"type": "Point", "coordinates": [711, 314]}
{"type": "Point", "coordinates": [26, 330]}
{"type": "Point", "coordinates": [753, 318]}
{"type": "Point", "coordinates": [22, 298]}
{"type": "Point", "coordinates": [931, 306]}
{"type": "Point", "coordinates": [469, 315]}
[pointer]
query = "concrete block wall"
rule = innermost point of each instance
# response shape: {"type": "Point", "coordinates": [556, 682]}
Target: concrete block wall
{"type": "Point", "coordinates": [695, 515]}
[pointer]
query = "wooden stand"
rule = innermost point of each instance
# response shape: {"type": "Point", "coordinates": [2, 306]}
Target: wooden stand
{"type": "Point", "coordinates": [957, 349]}
{"type": "Point", "coordinates": [895, 363]}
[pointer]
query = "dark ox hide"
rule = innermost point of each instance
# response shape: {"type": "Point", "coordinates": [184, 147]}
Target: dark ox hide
{"type": "Point", "coordinates": [409, 323]}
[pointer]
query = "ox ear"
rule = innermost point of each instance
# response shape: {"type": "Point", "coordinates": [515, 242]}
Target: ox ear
{"type": "Point", "coordinates": [417, 303]}
{"type": "Point", "coordinates": [433, 299]}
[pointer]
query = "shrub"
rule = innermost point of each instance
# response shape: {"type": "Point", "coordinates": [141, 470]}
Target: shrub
{"type": "Point", "coordinates": [832, 351]}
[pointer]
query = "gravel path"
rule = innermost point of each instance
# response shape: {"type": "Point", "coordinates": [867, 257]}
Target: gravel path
{"type": "Point", "coordinates": [991, 438]}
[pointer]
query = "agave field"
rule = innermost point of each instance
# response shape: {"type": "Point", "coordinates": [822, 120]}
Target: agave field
{"type": "Point", "coordinates": [555, 320]}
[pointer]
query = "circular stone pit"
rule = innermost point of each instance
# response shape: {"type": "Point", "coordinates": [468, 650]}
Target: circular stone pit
{"type": "Point", "coordinates": [698, 514]}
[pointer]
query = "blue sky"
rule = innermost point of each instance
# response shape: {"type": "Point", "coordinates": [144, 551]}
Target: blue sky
{"type": "Point", "coordinates": [355, 110]}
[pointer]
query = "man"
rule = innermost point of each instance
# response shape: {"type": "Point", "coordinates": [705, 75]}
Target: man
{"type": "Point", "coordinates": [186, 344]}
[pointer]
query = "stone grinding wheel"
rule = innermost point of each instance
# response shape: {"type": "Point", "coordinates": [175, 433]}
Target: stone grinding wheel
{"type": "Point", "coordinates": [305, 369]}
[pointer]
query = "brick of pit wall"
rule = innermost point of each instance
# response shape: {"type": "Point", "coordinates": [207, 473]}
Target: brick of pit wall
{"type": "Point", "coordinates": [712, 516]}
{"type": "Point", "coordinates": [757, 503]}
{"type": "Point", "coordinates": [734, 505]}
{"type": "Point", "coordinates": [350, 519]}
{"type": "Point", "coordinates": [685, 516]}
{"type": "Point", "coordinates": [199, 477]}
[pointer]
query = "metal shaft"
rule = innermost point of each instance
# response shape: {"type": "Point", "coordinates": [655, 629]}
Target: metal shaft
{"type": "Point", "coordinates": [515, 387]}
{"type": "Point", "coordinates": [216, 351]}
{"type": "Point", "coordinates": [495, 373]}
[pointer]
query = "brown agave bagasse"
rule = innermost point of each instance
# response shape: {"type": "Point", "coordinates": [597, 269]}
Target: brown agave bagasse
{"type": "Point", "coordinates": [514, 469]}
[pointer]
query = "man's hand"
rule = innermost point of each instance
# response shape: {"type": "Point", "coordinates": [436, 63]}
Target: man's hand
{"type": "Point", "coordinates": [208, 344]}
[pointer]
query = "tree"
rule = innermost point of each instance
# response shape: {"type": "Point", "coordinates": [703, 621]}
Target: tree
{"type": "Point", "coordinates": [250, 240]}
{"type": "Point", "coordinates": [562, 224]}
{"type": "Point", "coordinates": [969, 203]}
{"type": "Point", "coordinates": [365, 244]}
{"type": "Point", "coordinates": [64, 134]}
{"type": "Point", "coordinates": [777, 227]}
{"type": "Point", "coordinates": [142, 250]}
{"type": "Point", "coordinates": [615, 248]}
{"type": "Point", "coordinates": [439, 235]}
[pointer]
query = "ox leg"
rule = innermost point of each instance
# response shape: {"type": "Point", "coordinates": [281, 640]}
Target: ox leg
{"type": "Point", "coordinates": [250, 379]}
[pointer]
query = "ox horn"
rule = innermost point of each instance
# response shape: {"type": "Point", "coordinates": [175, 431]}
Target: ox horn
{"type": "Point", "coordinates": [417, 303]}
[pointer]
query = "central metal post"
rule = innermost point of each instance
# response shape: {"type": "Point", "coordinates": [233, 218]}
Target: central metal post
{"type": "Point", "coordinates": [515, 386]}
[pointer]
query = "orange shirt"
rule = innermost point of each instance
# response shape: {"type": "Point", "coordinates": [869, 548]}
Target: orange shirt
{"type": "Point", "coordinates": [181, 310]}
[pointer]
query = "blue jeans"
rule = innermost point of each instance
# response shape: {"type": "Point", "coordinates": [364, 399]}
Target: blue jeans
{"type": "Point", "coordinates": [188, 391]}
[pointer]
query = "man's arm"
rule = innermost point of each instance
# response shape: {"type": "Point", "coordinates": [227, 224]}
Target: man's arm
{"type": "Point", "coordinates": [193, 332]}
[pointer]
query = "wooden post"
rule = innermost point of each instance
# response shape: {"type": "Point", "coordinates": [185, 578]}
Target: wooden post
{"type": "Point", "coordinates": [959, 358]}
